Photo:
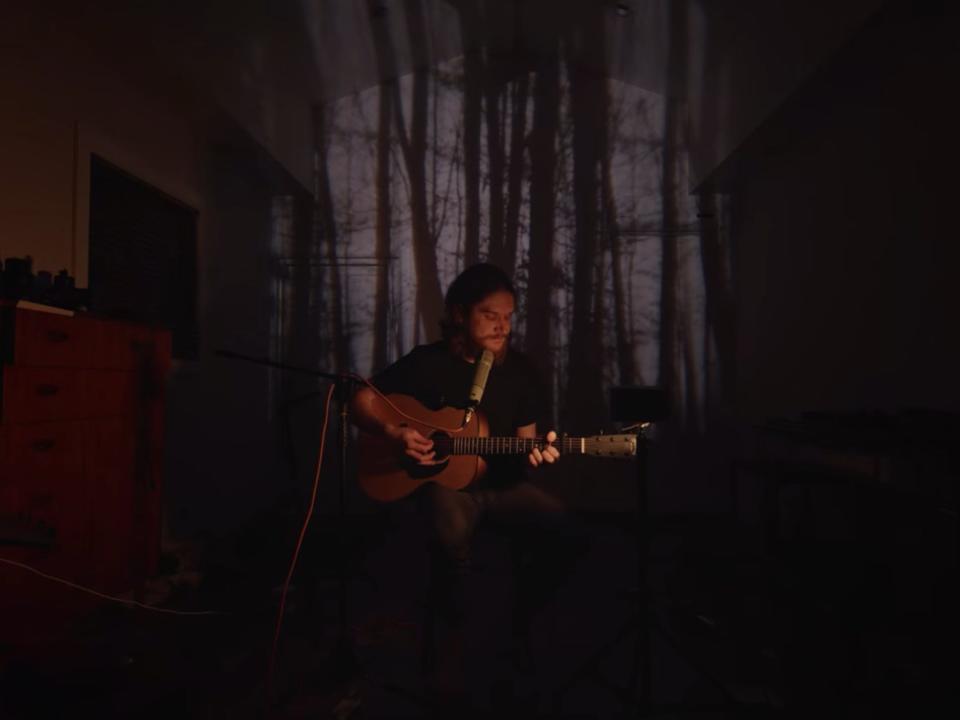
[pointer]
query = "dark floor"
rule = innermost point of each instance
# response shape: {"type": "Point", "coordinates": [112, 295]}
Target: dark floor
{"type": "Point", "coordinates": [737, 627]}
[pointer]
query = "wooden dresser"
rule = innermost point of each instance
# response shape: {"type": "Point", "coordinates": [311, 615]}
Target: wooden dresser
{"type": "Point", "coordinates": [81, 440]}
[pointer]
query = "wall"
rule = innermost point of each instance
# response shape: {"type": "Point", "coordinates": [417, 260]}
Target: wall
{"type": "Point", "coordinates": [80, 80]}
{"type": "Point", "coordinates": [63, 98]}
{"type": "Point", "coordinates": [844, 236]}
{"type": "Point", "coordinates": [744, 60]}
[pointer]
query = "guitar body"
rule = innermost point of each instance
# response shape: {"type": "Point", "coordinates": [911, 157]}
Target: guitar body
{"type": "Point", "coordinates": [386, 475]}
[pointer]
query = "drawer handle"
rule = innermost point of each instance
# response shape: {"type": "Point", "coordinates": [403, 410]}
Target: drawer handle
{"type": "Point", "coordinates": [57, 336]}
{"type": "Point", "coordinates": [47, 390]}
{"type": "Point", "coordinates": [44, 445]}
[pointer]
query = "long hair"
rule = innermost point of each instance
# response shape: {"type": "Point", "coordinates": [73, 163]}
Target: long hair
{"type": "Point", "coordinates": [469, 288]}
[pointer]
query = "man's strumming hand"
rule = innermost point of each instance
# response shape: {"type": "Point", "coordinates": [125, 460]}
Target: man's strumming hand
{"type": "Point", "coordinates": [411, 443]}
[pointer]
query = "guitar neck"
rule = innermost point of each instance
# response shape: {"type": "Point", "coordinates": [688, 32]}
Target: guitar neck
{"type": "Point", "coordinates": [514, 445]}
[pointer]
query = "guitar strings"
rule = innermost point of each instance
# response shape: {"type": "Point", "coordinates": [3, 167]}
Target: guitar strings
{"type": "Point", "coordinates": [509, 444]}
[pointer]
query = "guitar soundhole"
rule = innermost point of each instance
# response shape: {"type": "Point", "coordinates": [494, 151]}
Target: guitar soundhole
{"type": "Point", "coordinates": [442, 445]}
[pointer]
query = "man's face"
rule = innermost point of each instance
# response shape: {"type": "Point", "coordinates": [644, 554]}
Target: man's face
{"type": "Point", "coordinates": [488, 322]}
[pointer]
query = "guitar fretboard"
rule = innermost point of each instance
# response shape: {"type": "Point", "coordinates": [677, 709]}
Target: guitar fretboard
{"type": "Point", "coordinates": [512, 445]}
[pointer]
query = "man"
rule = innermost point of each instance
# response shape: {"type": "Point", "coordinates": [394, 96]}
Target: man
{"type": "Point", "coordinates": [479, 310]}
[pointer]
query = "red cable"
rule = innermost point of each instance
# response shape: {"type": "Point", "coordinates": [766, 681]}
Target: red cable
{"type": "Point", "coordinates": [296, 552]}
{"type": "Point", "coordinates": [313, 498]}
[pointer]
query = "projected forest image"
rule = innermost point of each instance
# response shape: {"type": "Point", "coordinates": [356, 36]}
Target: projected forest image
{"type": "Point", "coordinates": [574, 184]}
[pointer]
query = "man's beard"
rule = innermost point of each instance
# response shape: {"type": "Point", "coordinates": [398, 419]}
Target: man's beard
{"type": "Point", "coordinates": [474, 350]}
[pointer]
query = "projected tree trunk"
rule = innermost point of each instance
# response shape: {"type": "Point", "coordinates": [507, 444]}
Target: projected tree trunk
{"type": "Point", "coordinates": [670, 357]}
{"type": "Point", "coordinates": [429, 294]}
{"type": "Point", "coordinates": [543, 163]}
{"type": "Point", "coordinates": [382, 250]}
{"type": "Point", "coordinates": [720, 319]}
{"type": "Point", "coordinates": [472, 124]}
{"type": "Point", "coordinates": [668, 264]}
{"type": "Point", "coordinates": [518, 125]}
{"type": "Point", "coordinates": [623, 337]}
{"type": "Point", "coordinates": [584, 405]}
{"type": "Point", "coordinates": [327, 225]}
{"type": "Point", "coordinates": [495, 160]}
{"type": "Point", "coordinates": [386, 92]}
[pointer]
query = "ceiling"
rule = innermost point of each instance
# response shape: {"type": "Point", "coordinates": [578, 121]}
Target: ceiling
{"type": "Point", "coordinates": [631, 44]}
{"type": "Point", "coordinates": [733, 61]}
{"type": "Point", "coordinates": [267, 62]}
{"type": "Point", "coordinates": [627, 40]}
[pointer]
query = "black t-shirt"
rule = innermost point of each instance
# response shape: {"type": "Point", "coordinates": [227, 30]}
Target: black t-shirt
{"type": "Point", "coordinates": [437, 378]}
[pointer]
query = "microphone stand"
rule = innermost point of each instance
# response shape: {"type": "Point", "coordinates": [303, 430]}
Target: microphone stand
{"type": "Point", "coordinates": [345, 662]}
{"type": "Point", "coordinates": [636, 696]}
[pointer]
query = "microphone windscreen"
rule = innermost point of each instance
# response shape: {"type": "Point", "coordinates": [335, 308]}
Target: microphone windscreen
{"type": "Point", "coordinates": [484, 363]}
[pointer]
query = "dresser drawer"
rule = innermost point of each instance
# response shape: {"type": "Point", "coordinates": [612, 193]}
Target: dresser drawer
{"type": "Point", "coordinates": [111, 478]}
{"type": "Point", "coordinates": [47, 340]}
{"type": "Point", "coordinates": [10, 500]}
{"type": "Point", "coordinates": [43, 455]}
{"type": "Point", "coordinates": [43, 476]}
{"type": "Point", "coordinates": [34, 394]}
{"type": "Point", "coordinates": [43, 479]}
{"type": "Point", "coordinates": [110, 393]}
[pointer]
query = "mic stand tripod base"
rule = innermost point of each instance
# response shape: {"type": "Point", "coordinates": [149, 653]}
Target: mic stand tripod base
{"type": "Point", "coordinates": [637, 694]}
{"type": "Point", "coordinates": [346, 664]}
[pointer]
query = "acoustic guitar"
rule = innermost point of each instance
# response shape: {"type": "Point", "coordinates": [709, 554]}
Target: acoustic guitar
{"type": "Point", "coordinates": [386, 475]}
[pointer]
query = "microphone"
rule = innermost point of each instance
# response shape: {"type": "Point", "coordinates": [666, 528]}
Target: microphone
{"type": "Point", "coordinates": [484, 362]}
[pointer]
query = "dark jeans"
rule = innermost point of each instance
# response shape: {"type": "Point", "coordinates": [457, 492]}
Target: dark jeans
{"type": "Point", "coordinates": [543, 544]}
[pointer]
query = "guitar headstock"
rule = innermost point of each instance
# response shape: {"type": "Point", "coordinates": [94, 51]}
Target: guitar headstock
{"type": "Point", "coordinates": [611, 445]}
